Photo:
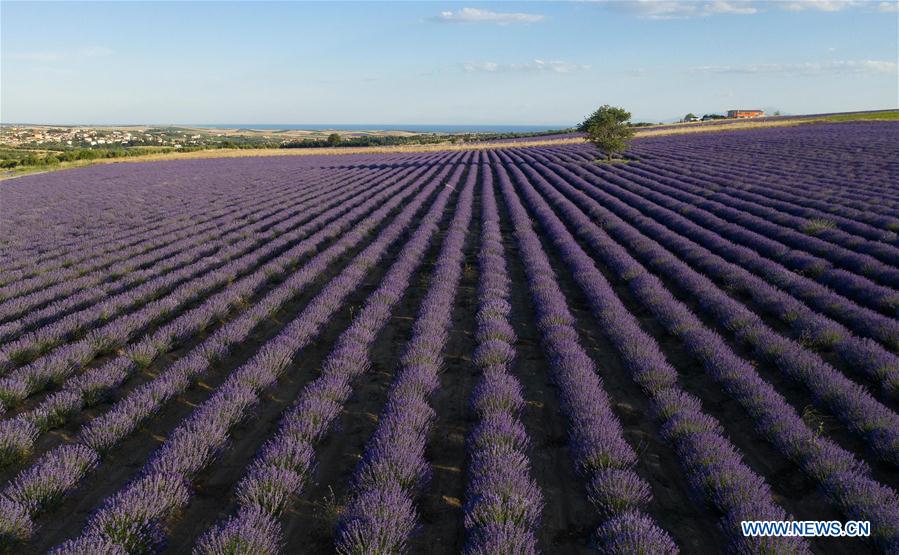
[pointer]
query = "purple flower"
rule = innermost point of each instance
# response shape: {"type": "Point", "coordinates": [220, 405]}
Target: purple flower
{"type": "Point", "coordinates": [15, 523]}
{"type": "Point", "coordinates": [253, 530]}
{"type": "Point", "coordinates": [632, 533]}
{"type": "Point", "coordinates": [615, 491]}
{"type": "Point", "coordinates": [494, 539]}
{"type": "Point", "coordinates": [378, 520]}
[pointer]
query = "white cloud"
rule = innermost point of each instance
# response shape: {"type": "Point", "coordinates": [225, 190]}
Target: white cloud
{"type": "Point", "coordinates": [871, 67]}
{"type": "Point", "coordinates": [736, 8]}
{"type": "Point", "coordinates": [473, 67]}
{"type": "Point", "coordinates": [475, 15]}
{"type": "Point", "coordinates": [683, 9]}
{"type": "Point", "coordinates": [60, 55]}
{"type": "Point", "coordinates": [837, 5]}
{"type": "Point", "coordinates": [552, 66]}
{"type": "Point", "coordinates": [680, 9]}
{"type": "Point", "coordinates": [818, 5]}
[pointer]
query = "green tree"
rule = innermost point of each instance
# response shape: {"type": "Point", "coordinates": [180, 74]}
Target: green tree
{"type": "Point", "coordinates": [690, 117]}
{"type": "Point", "coordinates": [608, 128]}
{"type": "Point", "coordinates": [333, 139]}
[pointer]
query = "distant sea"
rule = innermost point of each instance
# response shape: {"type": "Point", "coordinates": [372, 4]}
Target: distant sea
{"type": "Point", "coordinates": [418, 128]}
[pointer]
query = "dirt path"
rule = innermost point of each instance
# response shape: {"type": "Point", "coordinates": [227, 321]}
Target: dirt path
{"type": "Point", "coordinates": [311, 521]}
{"type": "Point", "coordinates": [440, 505]}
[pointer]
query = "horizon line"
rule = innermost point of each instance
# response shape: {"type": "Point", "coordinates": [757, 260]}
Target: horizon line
{"type": "Point", "coordinates": [374, 125]}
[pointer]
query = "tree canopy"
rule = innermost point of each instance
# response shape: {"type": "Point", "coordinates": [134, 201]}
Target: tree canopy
{"type": "Point", "coordinates": [608, 128]}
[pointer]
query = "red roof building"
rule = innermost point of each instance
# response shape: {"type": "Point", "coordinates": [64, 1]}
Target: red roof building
{"type": "Point", "coordinates": [740, 114]}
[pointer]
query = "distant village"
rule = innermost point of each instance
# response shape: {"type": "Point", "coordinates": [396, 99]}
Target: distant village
{"type": "Point", "coordinates": [16, 136]}
{"type": "Point", "coordinates": [41, 145]}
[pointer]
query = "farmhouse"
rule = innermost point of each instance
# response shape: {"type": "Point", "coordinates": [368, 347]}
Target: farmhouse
{"type": "Point", "coordinates": [740, 114]}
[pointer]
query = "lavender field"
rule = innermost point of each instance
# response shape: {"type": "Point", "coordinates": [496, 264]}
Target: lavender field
{"type": "Point", "coordinates": [498, 351]}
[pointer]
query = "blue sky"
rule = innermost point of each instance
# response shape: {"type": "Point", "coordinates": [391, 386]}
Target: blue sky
{"type": "Point", "coordinates": [439, 62]}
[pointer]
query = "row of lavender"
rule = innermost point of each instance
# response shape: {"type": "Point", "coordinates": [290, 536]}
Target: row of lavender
{"type": "Point", "coordinates": [843, 169]}
{"type": "Point", "coordinates": [58, 472]}
{"type": "Point", "coordinates": [125, 254]}
{"type": "Point", "coordinates": [53, 218]}
{"type": "Point", "coordinates": [860, 277]}
{"type": "Point", "coordinates": [18, 435]}
{"type": "Point", "coordinates": [107, 275]}
{"type": "Point", "coordinates": [125, 208]}
{"type": "Point", "coordinates": [503, 503]}
{"type": "Point", "coordinates": [849, 163]}
{"type": "Point", "coordinates": [284, 464]}
{"type": "Point", "coordinates": [39, 485]}
{"type": "Point", "coordinates": [214, 190]}
{"type": "Point", "coordinates": [739, 493]}
{"type": "Point", "coordinates": [840, 473]}
{"type": "Point", "coordinates": [600, 452]}
{"type": "Point", "coordinates": [792, 298]}
{"type": "Point", "coordinates": [631, 222]}
{"type": "Point", "coordinates": [109, 296]}
{"type": "Point", "coordinates": [132, 517]}
{"type": "Point", "coordinates": [750, 251]}
{"type": "Point", "coordinates": [380, 514]}
{"type": "Point", "coordinates": [248, 254]}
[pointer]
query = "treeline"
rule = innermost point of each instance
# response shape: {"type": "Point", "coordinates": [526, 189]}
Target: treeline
{"type": "Point", "coordinates": [12, 158]}
{"type": "Point", "coordinates": [335, 140]}
{"type": "Point", "coordinates": [486, 137]}
{"type": "Point", "coordinates": [15, 158]}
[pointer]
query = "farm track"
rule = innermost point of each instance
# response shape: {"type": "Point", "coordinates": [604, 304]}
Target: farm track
{"type": "Point", "coordinates": [440, 508]}
{"type": "Point", "coordinates": [674, 327]}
